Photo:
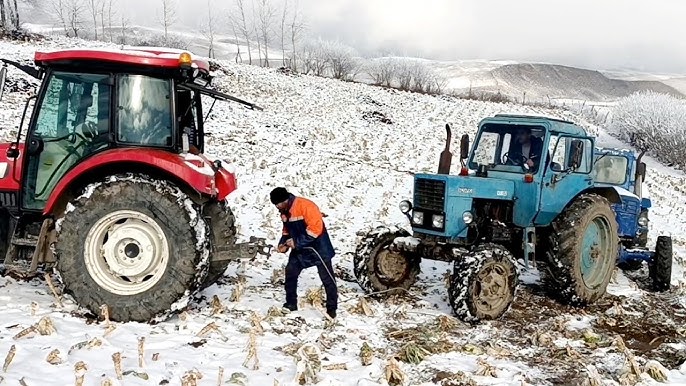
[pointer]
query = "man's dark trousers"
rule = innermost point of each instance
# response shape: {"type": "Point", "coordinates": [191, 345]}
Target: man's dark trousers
{"type": "Point", "coordinates": [293, 270]}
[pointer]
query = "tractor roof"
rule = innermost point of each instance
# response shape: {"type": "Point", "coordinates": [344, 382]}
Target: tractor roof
{"type": "Point", "coordinates": [554, 124]}
{"type": "Point", "coordinates": [615, 151]}
{"type": "Point", "coordinates": [164, 58]}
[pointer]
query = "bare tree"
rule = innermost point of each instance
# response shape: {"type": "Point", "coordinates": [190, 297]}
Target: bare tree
{"type": "Point", "coordinates": [111, 14]}
{"type": "Point", "coordinates": [297, 27]}
{"type": "Point", "coordinates": [124, 28]}
{"type": "Point", "coordinates": [242, 26]}
{"type": "Point", "coordinates": [94, 8]}
{"type": "Point", "coordinates": [313, 58]}
{"type": "Point", "coordinates": [208, 29]}
{"type": "Point", "coordinates": [167, 17]}
{"type": "Point", "coordinates": [266, 16]}
{"type": "Point", "coordinates": [382, 71]}
{"type": "Point", "coordinates": [342, 60]}
{"type": "Point", "coordinates": [284, 17]}
{"type": "Point", "coordinates": [14, 14]}
{"type": "Point", "coordinates": [75, 9]}
{"type": "Point", "coordinates": [234, 28]}
{"type": "Point", "coordinates": [59, 11]}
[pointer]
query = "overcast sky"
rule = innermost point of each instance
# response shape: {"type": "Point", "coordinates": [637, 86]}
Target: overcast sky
{"type": "Point", "coordinates": [606, 34]}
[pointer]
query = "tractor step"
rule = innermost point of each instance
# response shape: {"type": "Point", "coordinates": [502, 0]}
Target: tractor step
{"type": "Point", "coordinates": [29, 242]}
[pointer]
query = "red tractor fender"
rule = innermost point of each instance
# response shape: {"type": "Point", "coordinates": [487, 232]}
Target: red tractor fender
{"type": "Point", "coordinates": [10, 169]}
{"type": "Point", "coordinates": [190, 170]}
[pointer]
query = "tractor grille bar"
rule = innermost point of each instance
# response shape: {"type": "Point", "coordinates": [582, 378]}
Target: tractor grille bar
{"type": "Point", "coordinates": [429, 194]}
{"type": "Point", "coordinates": [8, 200]}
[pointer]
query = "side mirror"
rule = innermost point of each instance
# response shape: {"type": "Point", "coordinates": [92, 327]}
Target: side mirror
{"type": "Point", "coordinates": [3, 77]}
{"type": "Point", "coordinates": [576, 154]}
{"type": "Point", "coordinates": [641, 169]}
{"type": "Point", "coordinates": [464, 147]}
{"type": "Point", "coordinates": [13, 151]}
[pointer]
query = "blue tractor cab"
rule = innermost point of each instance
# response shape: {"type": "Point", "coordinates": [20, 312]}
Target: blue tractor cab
{"type": "Point", "coordinates": [623, 171]}
{"type": "Point", "coordinates": [525, 190]}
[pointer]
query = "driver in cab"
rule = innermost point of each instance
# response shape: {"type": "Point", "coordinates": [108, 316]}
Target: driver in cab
{"type": "Point", "coordinates": [525, 150]}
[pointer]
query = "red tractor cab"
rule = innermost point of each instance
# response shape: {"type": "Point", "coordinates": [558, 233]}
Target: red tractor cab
{"type": "Point", "coordinates": [108, 184]}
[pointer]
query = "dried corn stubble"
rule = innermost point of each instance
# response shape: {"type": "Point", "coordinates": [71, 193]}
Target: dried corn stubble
{"type": "Point", "coordinates": [593, 377]}
{"type": "Point", "coordinates": [54, 357]}
{"type": "Point", "coordinates": [252, 352]}
{"type": "Point", "coordinates": [107, 382]}
{"type": "Point", "coordinates": [51, 285]}
{"type": "Point", "coordinates": [458, 379]}
{"type": "Point", "coordinates": [393, 374]}
{"type": "Point", "coordinates": [366, 354]}
{"type": "Point", "coordinates": [34, 308]}
{"type": "Point", "coordinates": [238, 289]}
{"type": "Point", "coordinates": [238, 379]}
{"type": "Point", "coordinates": [191, 378]}
{"type": "Point", "coordinates": [278, 276]}
{"type": "Point", "coordinates": [308, 364]}
{"type": "Point", "coordinates": [217, 306]}
{"type": "Point", "coordinates": [447, 323]}
{"type": "Point", "coordinates": [275, 312]}
{"type": "Point", "coordinates": [87, 344]}
{"type": "Point", "coordinates": [656, 371]}
{"type": "Point", "coordinates": [80, 369]}
{"type": "Point", "coordinates": [141, 352]}
{"type": "Point", "coordinates": [45, 326]}
{"type": "Point", "coordinates": [22, 382]}
{"type": "Point", "coordinates": [335, 366]}
{"type": "Point", "coordinates": [116, 359]}
{"type": "Point", "coordinates": [485, 369]}
{"type": "Point", "coordinates": [256, 322]}
{"type": "Point", "coordinates": [413, 353]}
{"type": "Point", "coordinates": [138, 374]}
{"type": "Point", "coordinates": [363, 308]}
{"type": "Point", "coordinates": [212, 328]}
{"type": "Point", "coordinates": [314, 297]}
{"type": "Point", "coordinates": [9, 358]}
{"type": "Point", "coordinates": [220, 376]}
{"type": "Point", "coordinates": [28, 332]}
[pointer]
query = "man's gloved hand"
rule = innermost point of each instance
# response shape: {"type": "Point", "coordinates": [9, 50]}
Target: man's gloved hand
{"type": "Point", "coordinates": [290, 243]}
{"type": "Point", "coordinates": [283, 248]}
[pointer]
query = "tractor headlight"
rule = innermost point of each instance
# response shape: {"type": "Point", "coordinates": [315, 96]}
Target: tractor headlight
{"type": "Point", "coordinates": [643, 221]}
{"type": "Point", "coordinates": [405, 206]}
{"type": "Point", "coordinates": [418, 218]}
{"type": "Point", "coordinates": [438, 221]}
{"type": "Point", "coordinates": [467, 217]}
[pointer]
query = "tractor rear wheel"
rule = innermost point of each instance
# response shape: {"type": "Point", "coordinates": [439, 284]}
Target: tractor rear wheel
{"type": "Point", "coordinates": [660, 269]}
{"type": "Point", "coordinates": [134, 244]}
{"type": "Point", "coordinates": [223, 225]}
{"type": "Point", "coordinates": [483, 284]}
{"type": "Point", "coordinates": [378, 269]}
{"type": "Point", "coordinates": [582, 250]}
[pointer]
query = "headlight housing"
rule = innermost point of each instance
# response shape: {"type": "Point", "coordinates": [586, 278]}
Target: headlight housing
{"type": "Point", "coordinates": [643, 220]}
{"type": "Point", "coordinates": [405, 206]}
{"type": "Point", "coordinates": [438, 221]}
{"type": "Point", "coordinates": [467, 217]}
{"type": "Point", "coordinates": [418, 218]}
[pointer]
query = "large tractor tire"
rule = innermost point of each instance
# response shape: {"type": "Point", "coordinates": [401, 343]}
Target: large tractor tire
{"type": "Point", "coordinates": [484, 283]}
{"type": "Point", "coordinates": [377, 269]}
{"type": "Point", "coordinates": [135, 244]}
{"type": "Point", "coordinates": [223, 225]}
{"type": "Point", "coordinates": [582, 251]}
{"type": "Point", "coordinates": [660, 269]}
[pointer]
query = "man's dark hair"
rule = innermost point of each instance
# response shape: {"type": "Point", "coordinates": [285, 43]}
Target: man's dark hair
{"type": "Point", "coordinates": [279, 195]}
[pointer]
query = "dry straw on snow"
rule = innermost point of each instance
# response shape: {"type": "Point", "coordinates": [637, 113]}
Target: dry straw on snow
{"type": "Point", "coordinates": [393, 374]}
{"type": "Point", "coordinates": [252, 352]}
{"type": "Point", "coordinates": [80, 369]}
{"type": "Point", "coordinates": [54, 357]}
{"type": "Point", "coordinates": [9, 358]}
{"type": "Point", "coordinates": [116, 359]}
{"type": "Point", "coordinates": [141, 352]}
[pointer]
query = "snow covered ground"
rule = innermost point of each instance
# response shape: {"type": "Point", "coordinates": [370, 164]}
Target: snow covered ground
{"type": "Point", "coordinates": [323, 139]}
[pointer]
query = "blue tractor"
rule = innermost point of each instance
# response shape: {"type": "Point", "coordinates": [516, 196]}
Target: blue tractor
{"type": "Point", "coordinates": [623, 171]}
{"type": "Point", "coordinates": [524, 191]}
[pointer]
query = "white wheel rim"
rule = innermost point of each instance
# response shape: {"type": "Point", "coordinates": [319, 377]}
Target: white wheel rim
{"type": "Point", "coordinates": [126, 252]}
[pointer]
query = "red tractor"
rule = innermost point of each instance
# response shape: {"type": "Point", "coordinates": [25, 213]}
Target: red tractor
{"type": "Point", "coordinates": [109, 185]}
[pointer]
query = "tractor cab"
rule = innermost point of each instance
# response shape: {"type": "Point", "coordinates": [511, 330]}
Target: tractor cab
{"type": "Point", "coordinates": [623, 171]}
{"type": "Point", "coordinates": [107, 182]}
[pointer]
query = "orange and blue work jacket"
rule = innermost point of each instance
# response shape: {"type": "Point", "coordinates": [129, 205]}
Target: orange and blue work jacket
{"type": "Point", "coordinates": [304, 223]}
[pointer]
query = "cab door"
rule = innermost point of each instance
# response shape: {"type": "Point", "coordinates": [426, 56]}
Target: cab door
{"type": "Point", "coordinates": [71, 121]}
{"type": "Point", "coordinates": [562, 179]}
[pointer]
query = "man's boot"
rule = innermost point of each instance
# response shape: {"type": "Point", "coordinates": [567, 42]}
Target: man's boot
{"type": "Point", "coordinates": [290, 307]}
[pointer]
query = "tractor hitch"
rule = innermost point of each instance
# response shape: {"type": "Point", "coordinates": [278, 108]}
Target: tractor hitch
{"type": "Point", "coordinates": [431, 250]}
{"type": "Point", "coordinates": [244, 251]}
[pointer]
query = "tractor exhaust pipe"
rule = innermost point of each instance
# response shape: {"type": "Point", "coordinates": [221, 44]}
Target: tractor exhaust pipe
{"type": "Point", "coordinates": [640, 175]}
{"type": "Point", "coordinates": [446, 156]}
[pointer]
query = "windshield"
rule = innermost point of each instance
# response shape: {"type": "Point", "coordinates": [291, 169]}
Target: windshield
{"type": "Point", "coordinates": [509, 148]}
{"type": "Point", "coordinates": [610, 169]}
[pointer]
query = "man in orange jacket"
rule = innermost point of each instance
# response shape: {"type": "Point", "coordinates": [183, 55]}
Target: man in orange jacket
{"type": "Point", "coordinates": [304, 233]}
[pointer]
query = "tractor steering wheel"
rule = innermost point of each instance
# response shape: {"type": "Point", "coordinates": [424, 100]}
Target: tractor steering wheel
{"type": "Point", "coordinates": [515, 161]}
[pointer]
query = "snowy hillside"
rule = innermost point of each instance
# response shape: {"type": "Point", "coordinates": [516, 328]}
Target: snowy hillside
{"type": "Point", "coordinates": [324, 139]}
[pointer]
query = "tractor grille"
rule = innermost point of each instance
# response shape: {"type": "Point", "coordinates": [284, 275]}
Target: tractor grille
{"type": "Point", "coordinates": [429, 194]}
{"type": "Point", "coordinates": [8, 199]}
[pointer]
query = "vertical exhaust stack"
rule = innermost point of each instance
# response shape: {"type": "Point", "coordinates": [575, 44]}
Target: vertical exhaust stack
{"type": "Point", "coordinates": [446, 156]}
{"type": "Point", "coordinates": [640, 175]}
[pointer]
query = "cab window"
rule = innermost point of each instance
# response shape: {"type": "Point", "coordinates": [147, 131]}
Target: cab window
{"type": "Point", "coordinates": [144, 107]}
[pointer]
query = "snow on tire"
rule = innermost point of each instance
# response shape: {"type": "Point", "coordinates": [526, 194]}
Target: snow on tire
{"type": "Point", "coordinates": [484, 283]}
{"type": "Point", "coordinates": [660, 269]}
{"type": "Point", "coordinates": [223, 224]}
{"type": "Point", "coordinates": [135, 244]}
{"type": "Point", "coordinates": [582, 250]}
{"type": "Point", "coordinates": [377, 269]}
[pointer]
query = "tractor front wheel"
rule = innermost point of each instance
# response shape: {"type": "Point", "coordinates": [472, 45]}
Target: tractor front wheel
{"type": "Point", "coordinates": [377, 268]}
{"type": "Point", "coordinates": [134, 244]}
{"type": "Point", "coordinates": [660, 269]}
{"type": "Point", "coordinates": [483, 284]}
{"type": "Point", "coordinates": [582, 250]}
